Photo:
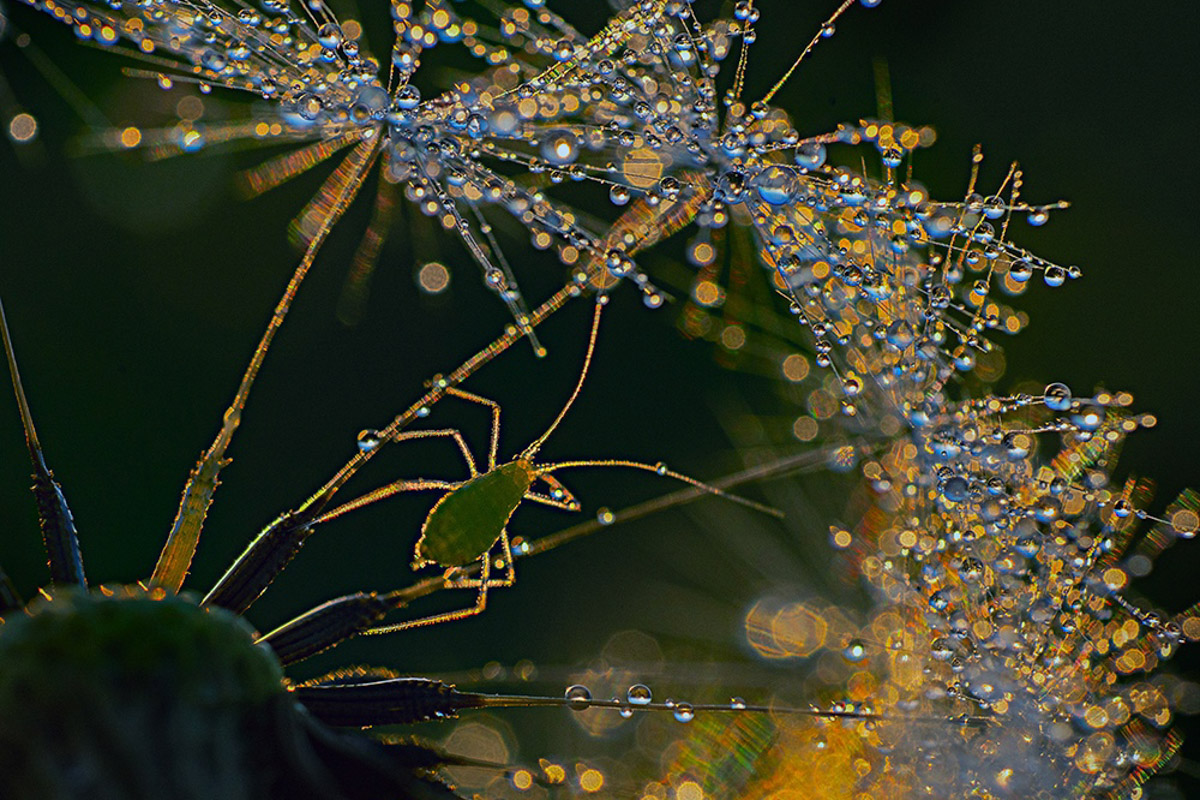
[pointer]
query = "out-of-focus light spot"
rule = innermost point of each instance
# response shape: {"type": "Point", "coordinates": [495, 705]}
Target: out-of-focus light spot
{"type": "Point", "coordinates": [702, 254]}
{"type": "Point", "coordinates": [790, 630]}
{"type": "Point", "coordinates": [591, 780]}
{"type": "Point", "coordinates": [642, 168]}
{"type": "Point", "coordinates": [1095, 716]}
{"type": "Point", "coordinates": [478, 742]}
{"type": "Point", "coordinates": [522, 779]}
{"type": "Point", "coordinates": [804, 428]}
{"type": "Point", "coordinates": [689, 790]}
{"type": "Point", "coordinates": [706, 293]}
{"type": "Point", "coordinates": [733, 337]}
{"type": "Point", "coordinates": [795, 368]}
{"type": "Point", "coordinates": [840, 538]}
{"type": "Point", "coordinates": [131, 137]}
{"type": "Point", "coordinates": [1185, 522]}
{"type": "Point", "coordinates": [553, 773]}
{"type": "Point", "coordinates": [190, 108]}
{"type": "Point", "coordinates": [433, 278]}
{"type": "Point", "coordinates": [192, 139]}
{"type": "Point", "coordinates": [22, 127]}
{"type": "Point", "coordinates": [352, 29]}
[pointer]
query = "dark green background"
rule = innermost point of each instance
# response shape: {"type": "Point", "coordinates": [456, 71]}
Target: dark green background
{"type": "Point", "coordinates": [135, 292]}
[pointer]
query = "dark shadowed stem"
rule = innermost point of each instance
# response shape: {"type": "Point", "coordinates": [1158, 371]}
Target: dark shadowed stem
{"type": "Point", "coordinates": [58, 526]}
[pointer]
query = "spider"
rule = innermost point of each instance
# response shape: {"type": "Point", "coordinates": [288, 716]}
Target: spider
{"type": "Point", "coordinates": [469, 520]}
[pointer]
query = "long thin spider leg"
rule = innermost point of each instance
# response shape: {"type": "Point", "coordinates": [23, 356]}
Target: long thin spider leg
{"type": "Point", "coordinates": [58, 526]}
{"type": "Point", "coordinates": [384, 492]}
{"type": "Point", "coordinates": [560, 496]}
{"type": "Point", "coordinates": [533, 448]}
{"type": "Point", "coordinates": [333, 622]}
{"type": "Point", "coordinates": [660, 469]}
{"type": "Point", "coordinates": [180, 548]}
{"type": "Point", "coordinates": [450, 432]}
{"type": "Point", "coordinates": [483, 582]}
{"type": "Point", "coordinates": [510, 572]}
{"type": "Point", "coordinates": [273, 549]}
{"type": "Point", "coordinates": [494, 444]}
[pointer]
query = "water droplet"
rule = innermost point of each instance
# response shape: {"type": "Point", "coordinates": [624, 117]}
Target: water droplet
{"type": "Point", "coordinates": [408, 97]}
{"type": "Point", "coordinates": [737, 703]}
{"type": "Point", "coordinates": [578, 697]}
{"type": "Point", "coordinates": [564, 50]}
{"type": "Point", "coordinates": [775, 185]}
{"type": "Point", "coordinates": [1021, 270]}
{"type": "Point", "coordinates": [855, 651]}
{"type": "Point", "coordinates": [619, 265]}
{"type": "Point", "coordinates": [214, 60]}
{"type": "Point", "coordinates": [329, 34]}
{"type": "Point", "coordinates": [605, 517]}
{"type": "Point", "coordinates": [1057, 397]}
{"type": "Point", "coordinates": [810, 155]}
{"type": "Point", "coordinates": [618, 194]}
{"type": "Point", "coordinates": [660, 468]}
{"type": "Point", "coordinates": [1055, 276]}
{"type": "Point", "coordinates": [892, 157]}
{"type": "Point", "coordinates": [368, 440]}
{"type": "Point", "coordinates": [684, 712]}
{"type": "Point", "coordinates": [639, 694]}
{"type": "Point", "coordinates": [309, 106]}
{"type": "Point", "coordinates": [956, 489]}
{"type": "Point", "coordinates": [560, 148]}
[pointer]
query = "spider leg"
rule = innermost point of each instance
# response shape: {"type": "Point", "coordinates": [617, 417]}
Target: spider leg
{"type": "Point", "coordinates": [495, 407]}
{"type": "Point", "coordinates": [396, 487]}
{"type": "Point", "coordinates": [452, 433]}
{"type": "Point", "coordinates": [560, 496]}
{"type": "Point", "coordinates": [483, 582]}
{"type": "Point", "coordinates": [273, 549]}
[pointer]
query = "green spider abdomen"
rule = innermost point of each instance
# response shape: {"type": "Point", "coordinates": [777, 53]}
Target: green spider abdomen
{"type": "Point", "coordinates": [467, 521]}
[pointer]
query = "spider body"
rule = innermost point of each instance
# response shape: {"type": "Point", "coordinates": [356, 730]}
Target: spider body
{"type": "Point", "coordinates": [470, 520]}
